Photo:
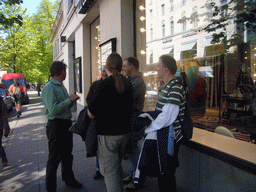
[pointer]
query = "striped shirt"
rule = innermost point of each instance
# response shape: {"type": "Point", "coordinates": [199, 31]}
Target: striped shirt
{"type": "Point", "coordinates": [173, 93]}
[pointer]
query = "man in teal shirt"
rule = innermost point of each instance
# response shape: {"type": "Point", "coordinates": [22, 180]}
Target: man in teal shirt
{"type": "Point", "coordinates": [60, 140]}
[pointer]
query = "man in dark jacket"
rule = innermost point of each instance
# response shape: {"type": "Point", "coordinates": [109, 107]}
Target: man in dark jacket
{"type": "Point", "coordinates": [131, 69]}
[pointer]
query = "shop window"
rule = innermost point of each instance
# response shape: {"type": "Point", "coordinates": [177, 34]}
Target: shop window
{"type": "Point", "coordinates": [188, 50]}
{"type": "Point", "coordinates": [96, 66]}
{"type": "Point", "coordinates": [213, 49]}
{"type": "Point", "coordinates": [221, 77]}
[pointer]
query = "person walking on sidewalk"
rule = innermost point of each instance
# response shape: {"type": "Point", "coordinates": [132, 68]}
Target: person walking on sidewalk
{"type": "Point", "coordinates": [17, 92]}
{"type": "Point", "coordinates": [60, 140]}
{"type": "Point", "coordinates": [4, 130]}
{"type": "Point", "coordinates": [112, 106]}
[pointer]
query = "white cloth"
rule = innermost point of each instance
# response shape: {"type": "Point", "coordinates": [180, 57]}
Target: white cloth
{"type": "Point", "coordinates": [169, 114]}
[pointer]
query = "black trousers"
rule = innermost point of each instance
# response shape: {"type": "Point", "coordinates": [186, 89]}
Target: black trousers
{"type": "Point", "coordinates": [60, 145]}
{"type": "Point", "coordinates": [2, 151]}
{"type": "Point", "coordinates": [167, 180]}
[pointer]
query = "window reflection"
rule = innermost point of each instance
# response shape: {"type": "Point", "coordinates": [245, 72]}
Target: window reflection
{"type": "Point", "coordinates": [95, 51]}
{"type": "Point", "coordinates": [221, 72]}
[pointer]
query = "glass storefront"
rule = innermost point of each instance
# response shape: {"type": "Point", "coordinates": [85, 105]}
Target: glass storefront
{"type": "Point", "coordinates": [95, 50]}
{"type": "Point", "coordinates": [220, 65]}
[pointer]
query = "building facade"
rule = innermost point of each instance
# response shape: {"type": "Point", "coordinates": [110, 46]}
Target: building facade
{"type": "Point", "coordinates": [220, 78]}
{"type": "Point", "coordinates": [86, 31]}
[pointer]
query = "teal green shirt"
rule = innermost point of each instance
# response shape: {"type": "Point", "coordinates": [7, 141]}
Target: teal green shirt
{"type": "Point", "coordinates": [56, 100]}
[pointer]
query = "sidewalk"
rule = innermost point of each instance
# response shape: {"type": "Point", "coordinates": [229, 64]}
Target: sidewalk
{"type": "Point", "coordinates": [27, 151]}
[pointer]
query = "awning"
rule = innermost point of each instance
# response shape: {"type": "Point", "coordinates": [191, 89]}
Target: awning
{"type": "Point", "coordinates": [167, 51]}
{"type": "Point", "coordinates": [207, 41]}
{"type": "Point", "coordinates": [188, 46]}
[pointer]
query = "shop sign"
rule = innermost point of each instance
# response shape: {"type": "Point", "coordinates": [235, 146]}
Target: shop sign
{"type": "Point", "coordinates": [189, 34]}
{"type": "Point", "coordinates": [169, 39]}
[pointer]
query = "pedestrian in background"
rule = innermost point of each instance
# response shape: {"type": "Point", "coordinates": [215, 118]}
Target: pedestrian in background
{"type": "Point", "coordinates": [60, 140]}
{"type": "Point", "coordinates": [112, 106]}
{"type": "Point", "coordinates": [4, 130]}
{"type": "Point", "coordinates": [17, 92]}
{"type": "Point", "coordinates": [93, 86]}
{"type": "Point", "coordinates": [38, 88]}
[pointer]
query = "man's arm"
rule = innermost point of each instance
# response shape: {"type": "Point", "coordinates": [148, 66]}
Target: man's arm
{"type": "Point", "coordinates": [167, 117]}
{"type": "Point", "coordinates": [10, 90]}
{"type": "Point", "coordinates": [54, 107]}
{"type": "Point", "coordinates": [139, 91]}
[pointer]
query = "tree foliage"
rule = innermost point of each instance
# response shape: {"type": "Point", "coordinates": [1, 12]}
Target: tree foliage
{"type": "Point", "coordinates": [9, 20]}
{"type": "Point", "coordinates": [11, 44]}
{"type": "Point", "coordinates": [42, 23]}
{"type": "Point", "coordinates": [26, 49]}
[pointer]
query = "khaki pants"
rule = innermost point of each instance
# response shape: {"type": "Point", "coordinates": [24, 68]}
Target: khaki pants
{"type": "Point", "coordinates": [111, 151]}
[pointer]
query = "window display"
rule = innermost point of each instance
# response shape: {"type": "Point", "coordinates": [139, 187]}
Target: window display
{"type": "Point", "coordinates": [219, 59]}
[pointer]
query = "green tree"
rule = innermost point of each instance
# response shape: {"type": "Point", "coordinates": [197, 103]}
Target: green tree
{"type": "Point", "coordinates": [42, 24]}
{"type": "Point", "coordinates": [12, 41]}
{"type": "Point", "coordinates": [9, 20]}
{"type": "Point", "coordinates": [26, 49]}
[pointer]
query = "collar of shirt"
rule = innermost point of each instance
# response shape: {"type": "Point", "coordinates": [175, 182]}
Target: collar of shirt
{"type": "Point", "coordinates": [54, 81]}
{"type": "Point", "coordinates": [169, 83]}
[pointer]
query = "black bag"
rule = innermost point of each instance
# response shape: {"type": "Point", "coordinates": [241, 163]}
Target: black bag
{"type": "Point", "coordinates": [187, 124]}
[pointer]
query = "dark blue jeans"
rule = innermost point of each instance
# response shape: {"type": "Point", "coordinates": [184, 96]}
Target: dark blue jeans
{"type": "Point", "coordinates": [60, 144]}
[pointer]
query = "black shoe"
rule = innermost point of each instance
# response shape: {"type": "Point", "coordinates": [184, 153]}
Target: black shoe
{"type": "Point", "coordinates": [74, 184]}
{"type": "Point", "coordinates": [97, 175]}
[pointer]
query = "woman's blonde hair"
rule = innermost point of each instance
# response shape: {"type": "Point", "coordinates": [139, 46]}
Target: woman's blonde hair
{"type": "Point", "coordinates": [114, 64]}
